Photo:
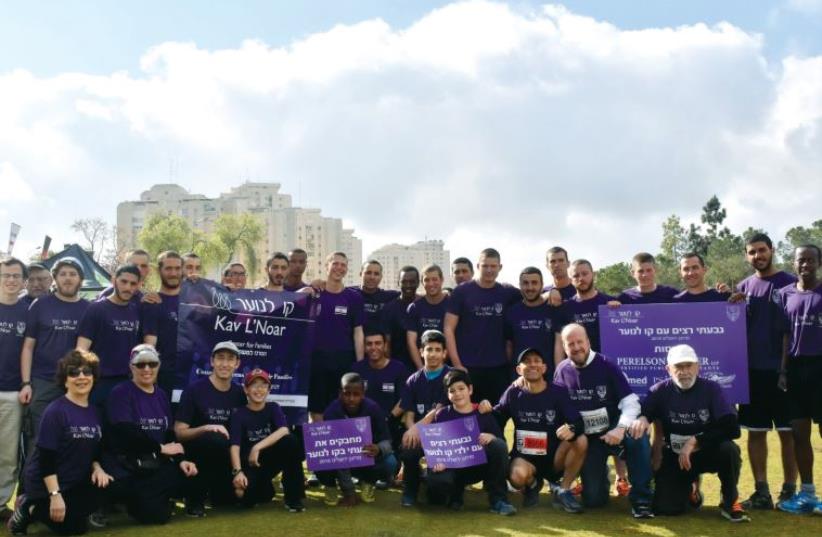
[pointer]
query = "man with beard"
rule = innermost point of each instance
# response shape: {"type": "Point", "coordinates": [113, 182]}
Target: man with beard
{"type": "Point", "coordinates": [110, 328]}
{"type": "Point", "coordinates": [395, 318]}
{"type": "Point", "coordinates": [140, 259]}
{"type": "Point", "coordinates": [801, 371]}
{"type": "Point", "coordinates": [768, 405]}
{"type": "Point", "coordinates": [692, 269]}
{"type": "Point", "coordinates": [556, 261]}
{"type": "Point", "coordinates": [700, 427]}
{"type": "Point", "coordinates": [297, 261]}
{"type": "Point", "coordinates": [38, 283]}
{"type": "Point", "coordinates": [534, 324]}
{"type": "Point", "coordinates": [51, 331]}
{"type": "Point", "coordinates": [583, 307]}
{"type": "Point", "coordinates": [374, 298]}
{"type": "Point", "coordinates": [427, 312]}
{"type": "Point", "coordinates": [12, 331]}
{"type": "Point", "coordinates": [160, 320]}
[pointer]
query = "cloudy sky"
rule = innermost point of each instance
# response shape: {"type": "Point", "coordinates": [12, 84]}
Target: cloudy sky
{"type": "Point", "coordinates": [516, 125]}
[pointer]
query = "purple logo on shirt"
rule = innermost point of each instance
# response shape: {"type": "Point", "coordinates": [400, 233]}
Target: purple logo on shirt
{"type": "Point", "coordinates": [550, 415]}
{"type": "Point", "coordinates": [602, 391]}
{"type": "Point", "coordinates": [21, 328]}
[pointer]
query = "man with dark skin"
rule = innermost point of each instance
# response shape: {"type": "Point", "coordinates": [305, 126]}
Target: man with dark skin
{"type": "Point", "coordinates": [297, 261]}
{"type": "Point", "coordinates": [395, 318]}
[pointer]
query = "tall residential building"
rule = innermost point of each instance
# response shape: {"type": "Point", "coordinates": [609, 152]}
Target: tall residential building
{"type": "Point", "coordinates": [395, 256]}
{"type": "Point", "coordinates": [285, 227]}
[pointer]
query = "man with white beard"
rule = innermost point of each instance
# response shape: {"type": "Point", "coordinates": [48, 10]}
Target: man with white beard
{"type": "Point", "coordinates": [700, 427]}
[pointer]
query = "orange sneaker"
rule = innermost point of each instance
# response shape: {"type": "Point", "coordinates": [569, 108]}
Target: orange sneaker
{"type": "Point", "coordinates": [623, 488]}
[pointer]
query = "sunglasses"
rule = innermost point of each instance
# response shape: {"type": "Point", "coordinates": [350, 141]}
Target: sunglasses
{"type": "Point", "coordinates": [75, 371]}
{"type": "Point", "coordinates": [143, 365]}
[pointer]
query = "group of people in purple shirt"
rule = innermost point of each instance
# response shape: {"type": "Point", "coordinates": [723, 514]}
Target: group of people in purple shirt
{"type": "Point", "coordinates": [114, 430]}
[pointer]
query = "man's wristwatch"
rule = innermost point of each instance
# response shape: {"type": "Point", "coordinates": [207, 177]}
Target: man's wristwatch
{"type": "Point", "coordinates": [25, 383]}
{"type": "Point", "coordinates": [55, 492]}
{"type": "Point", "coordinates": [235, 471]}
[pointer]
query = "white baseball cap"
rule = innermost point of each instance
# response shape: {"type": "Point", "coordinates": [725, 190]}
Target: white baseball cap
{"type": "Point", "coordinates": [226, 346]}
{"type": "Point", "coordinates": [680, 354]}
{"type": "Point", "coordinates": [144, 353]}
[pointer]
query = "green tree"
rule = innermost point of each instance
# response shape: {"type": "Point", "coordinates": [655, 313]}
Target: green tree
{"type": "Point", "coordinates": [615, 278]}
{"type": "Point", "coordinates": [238, 234]}
{"type": "Point", "coordinates": [797, 236]}
{"type": "Point", "coordinates": [163, 232]}
{"type": "Point", "coordinates": [674, 238]}
{"type": "Point", "coordinates": [726, 261]}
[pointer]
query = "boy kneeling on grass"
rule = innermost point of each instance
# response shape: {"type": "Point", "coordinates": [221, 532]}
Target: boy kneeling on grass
{"type": "Point", "coordinates": [262, 447]}
{"type": "Point", "coordinates": [352, 403]}
{"type": "Point", "coordinates": [448, 485]}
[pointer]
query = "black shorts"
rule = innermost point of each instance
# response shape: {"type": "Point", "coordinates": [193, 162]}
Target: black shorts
{"type": "Point", "coordinates": [543, 463]}
{"type": "Point", "coordinates": [768, 406]}
{"type": "Point", "coordinates": [805, 387]}
{"type": "Point", "coordinates": [327, 369]}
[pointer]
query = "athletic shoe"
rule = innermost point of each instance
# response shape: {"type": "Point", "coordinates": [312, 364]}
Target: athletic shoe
{"type": "Point", "coordinates": [331, 495]}
{"type": "Point", "coordinates": [642, 510]}
{"type": "Point", "coordinates": [456, 502]}
{"type": "Point", "coordinates": [20, 519]}
{"type": "Point", "coordinates": [786, 494]}
{"type": "Point", "coordinates": [312, 481]}
{"type": "Point", "coordinates": [98, 519]}
{"type": "Point", "coordinates": [408, 500]}
{"type": "Point", "coordinates": [799, 503]}
{"type": "Point", "coordinates": [623, 488]}
{"type": "Point", "coordinates": [501, 507]}
{"type": "Point", "coordinates": [818, 509]}
{"type": "Point", "coordinates": [367, 492]}
{"type": "Point", "coordinates": [296, 507]}
{"type": "Point", "coordinates": [577, 490]}
{"type": "Point", "coordinates": [696, 498]}
{"type": "Point", "coordinates": [758, 500]}
{"type": "Point", "coordinates": [195, 509]}
{"type": "Point", "coordinates": [736, 513]}
{"type": "Point", "coordinates": [382, 484]}
{"type": "Point", "coordinates": [530, 496]}
{"type": "Point", "coordinates": [566, 501]}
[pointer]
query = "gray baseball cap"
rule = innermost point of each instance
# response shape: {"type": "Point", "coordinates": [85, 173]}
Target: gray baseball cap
{"type": "Point", "coordinates": [226, 346]}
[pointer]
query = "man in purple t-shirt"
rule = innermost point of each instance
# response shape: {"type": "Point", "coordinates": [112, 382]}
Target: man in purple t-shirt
{"type": "Point", "coordinates": [395, 317]}
{"type": "Point", "coordinates": [427, 312]}
{"type": "Point", "coordinates": [462, 270]}
{"type": "Point", "coordinates": [801, 372]}
{"type": "Point", "coordinates": [600, 392]}
{"type": "Point", "coordinates": [297, 261]}
{"type": "Point", "coordinates": [768, 405]}
{"type": "Point", "coordinates": [475, 328]}
{"type": "Point", "coordinates": [583, 307]}
{"type": "Point", "coordinates": [51, 331]}
{"type": "Point", "coordinates": [373, 296]}
{"type": "Point", "coordinates": [700, 427]}
{"type": "Point", "coordinates": [38, 283]}
{"type": "Point", "coordinates": [110, 328]}
{"type": "Point", "coordinates": [643, 270]}
{"type": "Point", "coordinates": [556, 261]}
{"type": "Point", "coordinates": [140, 259]}
{"type": "Point", "coordinates": [692, 269]}
{"type": "Point", "coordinates": [12, 331]}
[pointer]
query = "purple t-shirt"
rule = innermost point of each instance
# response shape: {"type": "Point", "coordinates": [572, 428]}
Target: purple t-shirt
{"type": "Point", "coordinates": [203, 404]}
{"type": "Point", "coordinates": [150, 411]}
{"type": "Point", "coordinates": [395, 318]}
{"type": "Point", "coordinates": [661, 295]}
{"type": "Point", "coordinates": [487, 423]}
{"type": "Point", "coordinates": [294, 288]}
{"type": "Point", "coordinates": [161, 320]}
{"type": "Point", "coordinates": [711, 295]}
{"type": "Point", "coordinates": [12, 333]}
{"type": "Point", "coordinates": [250, 426]}
{"type": "Point", "coordinates": [113, 330]}
{"type": "Point", "coordinates": [685, 413]}
{"type": "Point", "coordinates": [379, 427]}
{"type": "Point", "coordinates": [422, 394]}
{"type": "Point", "coordinates": [599, 385]}
{"type": "Point", "coordinates": [385, 385]}
{"type": "Point", "coordinates": [480, 332]}
{"type": "Point", "coordinates": [53, 323]}
{"type": "Point", "coordinates": [545, 411]}
{"type": "Point", "coordinates": [373, 304]}
{"type": "Point", "coordinates": [72, 431]}
{"type": "Point", "coordinates": [802, 313]}
{"type": "Point", "coordinates": [422, 316]}
{"type": "Point", "coordinates": [764, 318]}
{"type": "Point", "coordinates": [586, 313]}
{"type": "Point", "coordinates": [338, 315]}
{"type": "Point", "coordinates": [567, 292]}
{"type": "Point", "coordinates": [535, 327]}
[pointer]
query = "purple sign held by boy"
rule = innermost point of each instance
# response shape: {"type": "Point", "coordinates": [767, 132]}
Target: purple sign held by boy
{"type": "Point", "coordinates": [337, 444]}
{"type": "Point", "coordinates": [637, 338]}
{"type": "Point", "coordinates": [455, 443]}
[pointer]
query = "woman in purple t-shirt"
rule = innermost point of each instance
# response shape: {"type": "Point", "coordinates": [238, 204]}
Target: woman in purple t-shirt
{"type": "Point", "coordinates": [63, 470]}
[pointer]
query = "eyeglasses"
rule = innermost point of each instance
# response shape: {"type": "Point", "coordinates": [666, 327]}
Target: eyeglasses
{"type": "Point", "coordinates": [75, 371]}
{"type": "Point", "coordinates": [236, 274]}
{"type": "Point", "coordinates": [11, 276]}
{"type": "Point", "coordinates": [143, 365]}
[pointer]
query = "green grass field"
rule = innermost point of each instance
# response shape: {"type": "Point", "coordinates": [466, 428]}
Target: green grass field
{"type": "Point", "coordinates": [385, 517]}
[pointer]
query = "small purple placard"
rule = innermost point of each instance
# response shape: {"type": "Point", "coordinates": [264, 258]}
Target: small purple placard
{"type": "Point", "coordinates": [337, 444]}
{"type": "Point", "coordinates": [453, 443]}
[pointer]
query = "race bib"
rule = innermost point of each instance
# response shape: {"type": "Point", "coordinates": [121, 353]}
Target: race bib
{"type": "Point", "coordinates": [678, 441]}
{"type": "Point", "coordinates": [596, 421]}
{"type": "Point", "coordinates": [532, 442]}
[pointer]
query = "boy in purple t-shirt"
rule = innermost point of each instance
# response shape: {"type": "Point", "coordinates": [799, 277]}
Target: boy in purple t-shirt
{"type": "Point", "coordinates": [801, 372]}
{"type": "Point", "coordinates": [647, 291]}
{"type": "Point", "coordinates": [426, 313]}
{"type": "Point", "coordinates": [262, 447]}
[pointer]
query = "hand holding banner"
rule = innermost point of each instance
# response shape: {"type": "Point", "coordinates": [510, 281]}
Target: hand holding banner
{"type": "Point", "coordinates": [337, 444]}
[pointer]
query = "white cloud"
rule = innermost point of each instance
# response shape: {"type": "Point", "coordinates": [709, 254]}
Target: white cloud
{"type": "Point", "coordinates": [478, 123]}
{"type": "Point", "coordinates": [15, 188]}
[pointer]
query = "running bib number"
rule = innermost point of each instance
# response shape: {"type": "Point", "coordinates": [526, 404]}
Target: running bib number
{"type": "Point", "coordinates": [532, 442]}
{"type": "Point", "coordinates": [596, 421]}
{"type": "Point", "coordinates": [678, 442]}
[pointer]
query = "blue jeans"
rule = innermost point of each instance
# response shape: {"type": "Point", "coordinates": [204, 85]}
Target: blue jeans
{"type": "Point", "coordinates": [595, 483]}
